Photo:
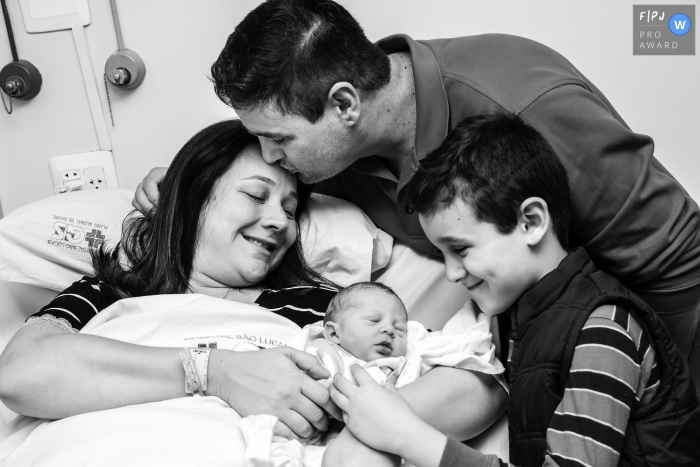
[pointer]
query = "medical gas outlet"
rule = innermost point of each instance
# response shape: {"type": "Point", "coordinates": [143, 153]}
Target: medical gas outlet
{"type": "Point", "coordinates": [85, 171]}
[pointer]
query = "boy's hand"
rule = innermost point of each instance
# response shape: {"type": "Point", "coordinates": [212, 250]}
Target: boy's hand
{"type": "Point", "coordinates": [147, 192]}
{"type": "Point", "coordinates": [378, 416]}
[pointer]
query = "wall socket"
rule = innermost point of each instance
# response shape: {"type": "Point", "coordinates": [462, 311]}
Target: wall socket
{"type": "Point", "coordinates": [84, 171]}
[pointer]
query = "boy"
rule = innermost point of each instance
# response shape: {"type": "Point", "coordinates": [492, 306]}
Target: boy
{"type": "Point", "coordinates": [595, 378]}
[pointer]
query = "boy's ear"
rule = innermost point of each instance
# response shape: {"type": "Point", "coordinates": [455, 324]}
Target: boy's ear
{"type": "Point", "coordinates": [534, 220]}
{"type": "Point", "coordinates": [344, 102]}
{"type": "Point", "coordinates": [330, 332]}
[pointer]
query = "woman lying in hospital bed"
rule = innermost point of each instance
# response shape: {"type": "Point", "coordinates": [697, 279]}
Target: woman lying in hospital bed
{"type": "Point", "coordinates": [49, 371]}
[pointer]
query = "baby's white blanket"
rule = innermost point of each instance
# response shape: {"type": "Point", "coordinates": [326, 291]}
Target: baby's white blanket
{"type": "Point", "coordinates": [189, 431]}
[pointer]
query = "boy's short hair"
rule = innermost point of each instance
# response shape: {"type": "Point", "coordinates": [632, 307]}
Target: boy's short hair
{"type": "Point", "coordinates": [289, 53]}
{"type": "Point", "coordinates": [494, 162]}
{"type": "Point", "coordinates": [343, 299]}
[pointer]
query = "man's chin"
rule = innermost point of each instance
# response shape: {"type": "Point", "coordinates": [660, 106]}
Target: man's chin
{"type": "Point", "coordinates": [312, 178]}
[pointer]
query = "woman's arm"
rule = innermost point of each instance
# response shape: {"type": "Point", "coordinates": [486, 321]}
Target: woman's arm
{"type": "Point", "coordinates": [49, 374]}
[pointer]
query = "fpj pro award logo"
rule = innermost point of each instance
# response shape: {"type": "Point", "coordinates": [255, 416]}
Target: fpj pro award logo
{"type": "Point", "coordinates": [664, 29]}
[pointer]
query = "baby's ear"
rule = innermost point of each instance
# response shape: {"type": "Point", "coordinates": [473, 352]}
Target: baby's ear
{"type": "Point", "coordinates": [331, 332]}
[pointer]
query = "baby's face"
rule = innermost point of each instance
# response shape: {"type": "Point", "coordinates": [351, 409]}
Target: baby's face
{"type": "Point", "coordinates": [375, 326]}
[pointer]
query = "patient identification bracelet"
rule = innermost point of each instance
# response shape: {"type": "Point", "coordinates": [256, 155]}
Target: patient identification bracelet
{"type": "Point", "coordinates": [195, 362]}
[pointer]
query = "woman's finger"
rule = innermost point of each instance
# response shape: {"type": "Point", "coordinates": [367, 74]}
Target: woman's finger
{"type": "Point", "coordinates": [344, 385]}
{"type": "Point", "coordinates": [313, 396]}
{"type": "Point", "coordinates": [339, 398]}
{"type": "Point", "coordinates": [390, 383]}
{"type": "Point", "coordinates": [319, 395]}
{"type": "Point", "coordinates": [284, 431]}
{"type": "Point", "coordinates": [297, 423]}
{"type": "Point", "coordinates": [361, 375]}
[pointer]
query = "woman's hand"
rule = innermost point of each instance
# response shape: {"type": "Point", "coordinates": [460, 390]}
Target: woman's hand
{"type": "Point", "coordinates": [147, 192]}
{"type": "Point", "coordinates": [381, 418]}
{"type": "Point", "coordinates": [269, 382]}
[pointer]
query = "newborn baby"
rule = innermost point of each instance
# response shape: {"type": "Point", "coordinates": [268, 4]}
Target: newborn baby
{"type": "Point", "coordinates": [368, 320]}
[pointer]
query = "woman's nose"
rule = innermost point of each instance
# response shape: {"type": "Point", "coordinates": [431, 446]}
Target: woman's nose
{"type": "Point", "coordinates": [276, 218]}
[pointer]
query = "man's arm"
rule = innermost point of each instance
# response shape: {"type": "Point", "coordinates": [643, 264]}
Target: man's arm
{"type": "Point", "coordinates": [620, 191]}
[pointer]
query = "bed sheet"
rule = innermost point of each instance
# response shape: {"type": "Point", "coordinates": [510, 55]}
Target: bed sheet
{"type": "Point", "coordinates": [187, 431]}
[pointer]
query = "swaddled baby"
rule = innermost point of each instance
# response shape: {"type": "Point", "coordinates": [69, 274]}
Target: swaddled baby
{"type": "Point", "coordinates": [365, 323]}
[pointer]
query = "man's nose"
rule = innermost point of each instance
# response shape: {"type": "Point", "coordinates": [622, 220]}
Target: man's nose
{"type": "Point", "coordinates": [270, 153]}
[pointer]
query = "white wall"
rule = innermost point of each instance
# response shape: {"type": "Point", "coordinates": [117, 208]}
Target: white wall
{"type": "Point", "coordinates": [179, 39]}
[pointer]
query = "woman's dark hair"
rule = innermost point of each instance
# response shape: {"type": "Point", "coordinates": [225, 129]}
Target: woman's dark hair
{"type": "Point", "coordinates": [156, 252]}
{"type": "Point", "coordinates": [494, 162]}
{"type": "Point", "coordinates": [289, 53]}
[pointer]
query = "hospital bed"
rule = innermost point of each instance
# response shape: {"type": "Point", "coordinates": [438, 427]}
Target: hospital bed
{"type": "Point", "coordinates": [44, 247]}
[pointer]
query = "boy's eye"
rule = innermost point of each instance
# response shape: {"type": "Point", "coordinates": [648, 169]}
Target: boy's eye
{"type": "Point", "coordinates": [279, 141]}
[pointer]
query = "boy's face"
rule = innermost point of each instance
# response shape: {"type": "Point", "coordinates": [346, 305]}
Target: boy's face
{"type": "Point", "coordinates": [374, 326]}
{"type": "Point", "coordinates": [496, 268]}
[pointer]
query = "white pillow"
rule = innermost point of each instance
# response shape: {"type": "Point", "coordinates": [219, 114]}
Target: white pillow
{"type": "Point", "coordinates": [46, 243]}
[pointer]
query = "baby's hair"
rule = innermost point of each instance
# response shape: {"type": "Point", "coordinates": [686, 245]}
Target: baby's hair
{"type": "Point", "coordinates": [343, 299]}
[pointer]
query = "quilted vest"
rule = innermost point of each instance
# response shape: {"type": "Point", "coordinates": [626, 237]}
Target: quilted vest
{"type": "Point", "coordinates": [546, 322]}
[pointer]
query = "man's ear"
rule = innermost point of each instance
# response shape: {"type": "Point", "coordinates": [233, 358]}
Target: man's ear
{"type": "Point", "coordinates": [331, 332]}
{"type": "Point", "coordinates": [344, 102]}
{"type": "Point", "coordinates": [534, 220]}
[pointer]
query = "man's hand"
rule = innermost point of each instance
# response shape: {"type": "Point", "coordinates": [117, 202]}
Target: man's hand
{"type": "Point", "coordinates": [147, 192]}
{"type": "Point", "coordinates": [279, 382]}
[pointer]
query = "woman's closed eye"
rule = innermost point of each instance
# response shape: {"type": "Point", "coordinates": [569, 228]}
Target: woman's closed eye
{"type": "Point", "coordinates": [255, 197]}
{"type": "Point", "coordinates": [461, 250]}
{"type": "Point", "coordinates": [291, 211]}
{"type": "Point", "coordinates": [279, 141]}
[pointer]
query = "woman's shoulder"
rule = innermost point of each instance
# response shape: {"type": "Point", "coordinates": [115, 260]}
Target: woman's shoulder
{"type": "Point", "coordinates": [72, 308]}
{"type": "Point", "coordinates": [301, 304]}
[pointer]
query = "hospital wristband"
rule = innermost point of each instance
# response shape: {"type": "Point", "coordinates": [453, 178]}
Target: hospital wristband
{"type": "Point", "coordinates": [195, 363]}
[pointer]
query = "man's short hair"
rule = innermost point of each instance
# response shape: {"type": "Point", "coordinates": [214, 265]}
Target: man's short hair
{"type": "Point", "coordinates": [343, 299]}
{"type": "Point", "coordinates": [494, 162]}
{"type": "Point", "coordinates": [289, 53]}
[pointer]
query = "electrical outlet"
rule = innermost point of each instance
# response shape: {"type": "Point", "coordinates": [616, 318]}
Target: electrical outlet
{"type": "Point", "coordinates": [76, 171]}
{"type": "Point", "coordinates": [94, 178]}
{"type": "Point", "coordinates": [70, 174]}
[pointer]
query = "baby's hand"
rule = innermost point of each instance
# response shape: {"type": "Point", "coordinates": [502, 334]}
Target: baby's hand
{"type": "Point", "coordinates": [378, 416]}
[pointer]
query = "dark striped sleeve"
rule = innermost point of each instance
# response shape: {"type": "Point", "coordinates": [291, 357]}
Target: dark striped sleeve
{"type": "Point", "coordinates": [71, 309]}
{"type": "Point", "coordinates": [611, 367]}
{"type": "Point", "coordinates": [303, 304]}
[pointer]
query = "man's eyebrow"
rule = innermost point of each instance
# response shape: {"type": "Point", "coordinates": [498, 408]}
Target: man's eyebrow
{"type": "Point", "coordinates": [266, 134]}
{"type": "Point", "coordinates": [449, 239]}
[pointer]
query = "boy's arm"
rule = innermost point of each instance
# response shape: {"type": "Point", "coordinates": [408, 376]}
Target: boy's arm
{"type": "Point", "coordinates": [459, 403]}
{"type": "Point", "coordinates": [589, 425]}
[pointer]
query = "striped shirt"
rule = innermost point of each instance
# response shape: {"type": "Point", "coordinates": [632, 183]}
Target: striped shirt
{"type": "Point", "coordinates": [71, 310]}
{"type": "Point", "coordinates": [613, 373]}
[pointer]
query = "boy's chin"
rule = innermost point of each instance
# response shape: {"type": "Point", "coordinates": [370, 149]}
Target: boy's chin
{"type": "Point", "coordinates": [491, 309]}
